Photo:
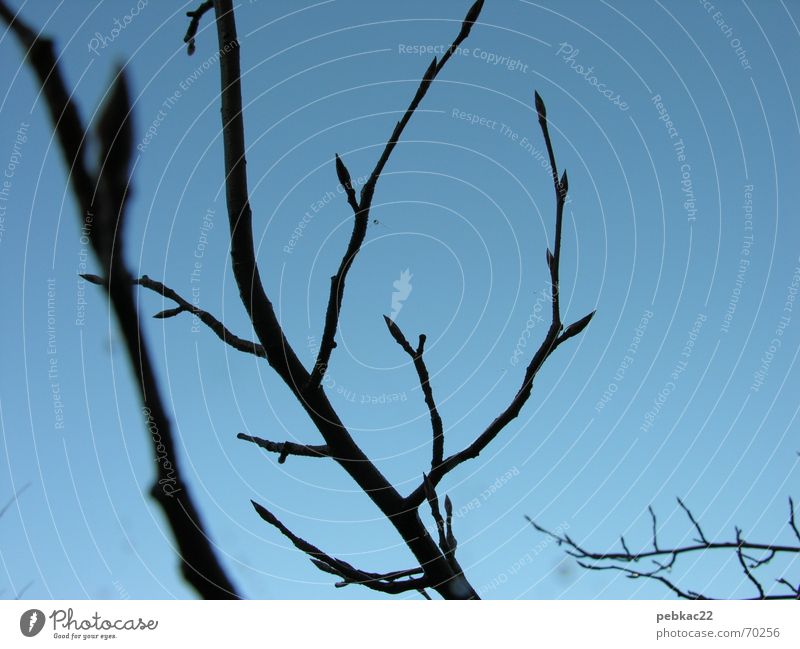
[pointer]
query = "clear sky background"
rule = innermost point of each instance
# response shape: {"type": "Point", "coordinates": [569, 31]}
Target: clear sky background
{"type": "Point", "coordinates": [685, 241]}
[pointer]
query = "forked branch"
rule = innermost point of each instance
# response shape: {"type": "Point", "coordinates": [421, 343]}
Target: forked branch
{"type": "Point", "coordinates": [361, 208]}
{"type": "Point", "coordinates": [664, 559]}
{"type": "Point", "coordinates": [102, 195]}
{"type": "Point", "coordinates": [425, 383]}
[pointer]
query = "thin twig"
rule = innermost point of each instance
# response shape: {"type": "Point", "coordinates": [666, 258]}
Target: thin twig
{"type": "Point", "coordinates": [279, 353]}
{"type": "Point", "coordinates": [362, 207]}
{"type": "Point", "coordinates": [284, 449]}
{"type": "Point", "coordinates": [437, 452]}
{"type": "Point", "coordinates": [102, 198]}
{"type": "Point", "coordinates": [555, 336]}
{"type": "Point", "coordinates": [792, 522]}
{"type": "Point", "coordinates": [390, 584]}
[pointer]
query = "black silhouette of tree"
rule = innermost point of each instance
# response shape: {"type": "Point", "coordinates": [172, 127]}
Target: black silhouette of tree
{"type": "Point", "coordinates": [101, 191]}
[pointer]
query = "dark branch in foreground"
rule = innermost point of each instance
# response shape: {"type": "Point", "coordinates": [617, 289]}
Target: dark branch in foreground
{"type": "Point", "coordinates": [361, 208]}
{"type": "Point", "coordinates": [102, 197]}
{"type": "Point", "coordinates": [664, 559]}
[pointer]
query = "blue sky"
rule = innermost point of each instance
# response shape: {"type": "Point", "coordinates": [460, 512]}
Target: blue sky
{"type": "Point", "coordinates": [681, 146]}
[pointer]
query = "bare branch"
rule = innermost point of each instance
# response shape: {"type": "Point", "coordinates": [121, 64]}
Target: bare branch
{"type": "Point", "coordinates": [64, 114]}
{"type": "Point", "coordinates": [795, 589]}
{"type": "Point", "coordinates": [184, 306]}
{"type": "Point", "coordinates": [655, 528]}
{"type": "Point", "coordinates": [433, 501]}
{"type": "Point", "coordinates": [447, 540]}
{"type": "Point", "coordinates": [792, 522]}
{"type": "Point", "coordinates": [392, 584]}
{"type": "Point", "coordinates": [14, 498]}
{"type": "Point", "coordinates": [194, 24]}
{"type": "Point", "coordinates": [285, 449]}
{"type": "Point", "coordinates": [437, 454]}
{"type": "Point", "coordinates": [633, 574]}
{"type": "Point", "coordinates": [448, 510]}
{"type": "Point", "coordinates": [606, 560]}
{"type": "Point", "coordinates": [362, 208]}
{"type": "Point", "coordinates": [745, 567]}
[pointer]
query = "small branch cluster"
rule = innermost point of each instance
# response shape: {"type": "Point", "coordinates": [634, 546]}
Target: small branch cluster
{"type": "Point", "coordinates": [663, 560]}
{"type": "Point", "coordinates": [102, 191]}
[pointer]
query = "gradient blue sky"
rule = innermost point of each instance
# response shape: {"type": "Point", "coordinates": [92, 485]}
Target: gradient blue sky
{"type": "Point", "coordinates": [468, 210]}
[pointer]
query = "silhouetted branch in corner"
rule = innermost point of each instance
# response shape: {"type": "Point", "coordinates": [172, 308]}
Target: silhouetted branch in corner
{"type": "Point", "coordinates": [663, 560]}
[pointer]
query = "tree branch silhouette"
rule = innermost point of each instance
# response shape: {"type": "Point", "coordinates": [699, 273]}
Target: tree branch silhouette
{"type": "Point", "coordinates": [664, 559]}
{"type": "Point", "coordinates": [102, 197]}
{"type": "Point", "coordinates": [441, 571]}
